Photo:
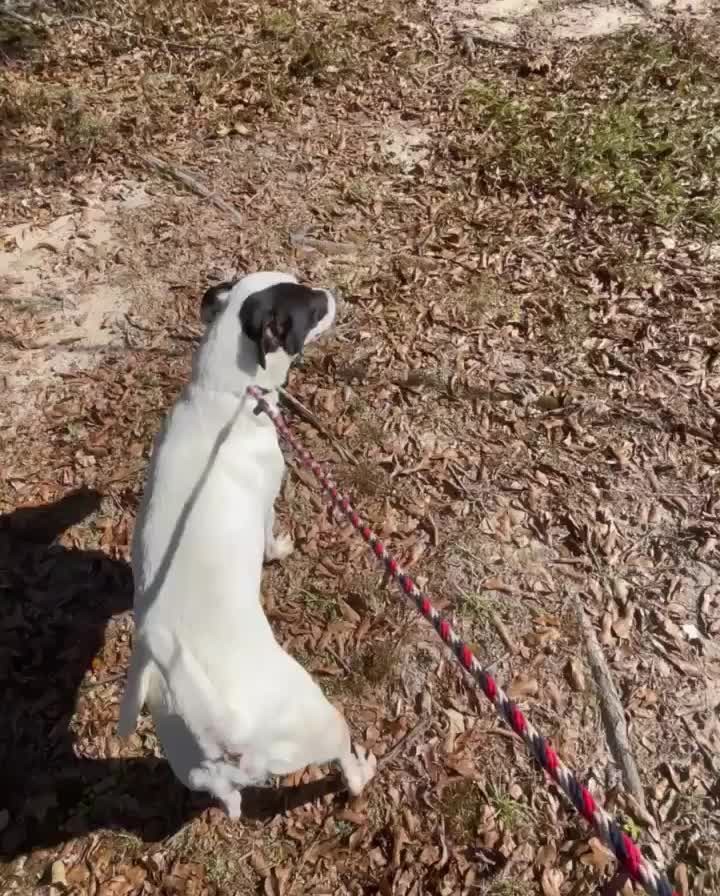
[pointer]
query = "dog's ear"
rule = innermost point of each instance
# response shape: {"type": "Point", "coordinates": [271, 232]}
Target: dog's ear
{"type": "Point", "coordinates": [256, 316]}
{"type": "Point", "coordinates": [214, 300]}
{"type": "Point", "coordinates": [282, 316]}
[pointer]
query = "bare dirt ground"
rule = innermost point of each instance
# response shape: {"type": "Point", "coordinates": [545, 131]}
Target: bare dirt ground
{"type": "Point", "coordinates": [521, 396]}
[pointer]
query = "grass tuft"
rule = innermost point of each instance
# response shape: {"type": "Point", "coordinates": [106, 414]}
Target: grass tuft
{"type": "Point", "coordinates": [633, 127]}
{"type": "Point", "coordinates": [462, 805]}
{"type": "Point", "coordinates": [509, 812]}
{"type": "Point", "coordinates": [379, 662]}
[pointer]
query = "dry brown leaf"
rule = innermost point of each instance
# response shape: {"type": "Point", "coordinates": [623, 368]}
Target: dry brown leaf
{"type": "Point", "coordinates": [495, 584]}
{"type": "Point", "coordinates": [353, 817]}
{"type": "Point", "coordinates": [575, 671]}
{"type": "Point", "coordinates": [357, 837]}
{"type": "Point", "coordinates": [347, 611]}
{"type": "Point", "coordinates": [260, 866]}
{"type": "Point", "coordinates": [58, 875]}
{"type": "Point", "coordinates": [546, 856]}
{"type": "Point", "coordinates": [680, 876]}
{"type": "Point", "coordinates": [551, 881]}
{"type": "Point", "coordinates": [463, 766]}
{"type": "Point", "coordinates": [598, 855]}
{"type": "Point", "coordinates": [400, 838]}
{"type": "Point", "coordinates": [556, 696]}
{"type": "Point", "coordinates": [522, 687]}
{"type": "Point", "coordinates": [606, 635]}
{"type": "Point", "coordinates": [623, 625]}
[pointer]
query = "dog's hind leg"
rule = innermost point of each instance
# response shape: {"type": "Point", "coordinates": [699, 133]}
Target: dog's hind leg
{"type": "Point", "coordinates": [212, 777]}
{"type": "Point", "coordinates": [193, 696]}
{"type": "Point", "coordinates": [224, 780]}
{"type": "Point", "coordinates": [133, 699]}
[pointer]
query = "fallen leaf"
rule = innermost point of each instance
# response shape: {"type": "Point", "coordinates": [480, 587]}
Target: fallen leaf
{"type": "Point", "coordinates": [551, 881]}
{"type": "Point", "coordinates": [58, 875]}
{"type": "Point", "coordinates": [598, 855]}
{"type": "Point", "coordinates": [546, 856]}
{"type": "Point", "coordinates": [522, 686]}
{"type": "Point", "coordinates": [576, 674]}
{"type": "Point", "coordinates": [623, 625]}
{"type": "Point", "coordinates": [681, 879]}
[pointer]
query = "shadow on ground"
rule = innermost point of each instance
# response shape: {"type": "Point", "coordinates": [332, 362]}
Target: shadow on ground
{"type": "Point", "coordinates": [55, 604]}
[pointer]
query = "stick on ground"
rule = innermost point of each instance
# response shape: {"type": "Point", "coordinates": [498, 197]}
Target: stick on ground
{"type": "Point", "coordinates": [192, 183]}
{"type": "Point", "coordinates": [289, 401]}
{"type": "Point", "coordinates": [414, 733]}
{"type": "Point", "coordinates": [611, 708]}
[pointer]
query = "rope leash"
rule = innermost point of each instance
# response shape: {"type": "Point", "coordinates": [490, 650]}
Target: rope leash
{"type": "Point", "coordinates": [627, 852]}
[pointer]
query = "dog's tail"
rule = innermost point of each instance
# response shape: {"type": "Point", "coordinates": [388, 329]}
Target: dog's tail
{"type": "Point", "coordinates": [157, 649]}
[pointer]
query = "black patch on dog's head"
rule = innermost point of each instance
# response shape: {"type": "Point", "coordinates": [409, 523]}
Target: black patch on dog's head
{"type": "Point", "coordinates": [282, 316]}
{"type": "Point", "coordinates": [214, 299]}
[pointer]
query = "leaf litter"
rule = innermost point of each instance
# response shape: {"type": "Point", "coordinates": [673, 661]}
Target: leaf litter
{"type": "Point", "coordinates": [522, 383]}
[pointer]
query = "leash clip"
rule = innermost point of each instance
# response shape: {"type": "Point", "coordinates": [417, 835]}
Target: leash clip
{"type": "Point", "coordinates": [258, 393]}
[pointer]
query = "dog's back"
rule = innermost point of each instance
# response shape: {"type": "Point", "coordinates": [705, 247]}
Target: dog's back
{"type": "Point", "coordinates": [213, 471]}
{"type": "Point", "coordinates": [198, 544]}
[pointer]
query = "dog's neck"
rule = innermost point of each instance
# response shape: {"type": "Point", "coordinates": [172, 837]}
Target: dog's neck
{"type": "Point", "coordinates": [226, 364]}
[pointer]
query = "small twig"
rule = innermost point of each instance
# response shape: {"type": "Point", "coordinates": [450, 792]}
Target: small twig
{"type": "Point", "coordinates": [502, 631]}
{"type": "Point", "coordinates": [611, 709]}
{"type": "Point", "coordinates": [400, 746]}
{"type": "Point", "coordinates": [300, 240]}
{"type": "Point", "coordinates": [500, 732]}
{"type": "Point", "coordinates": [307, 415]}
{"type": "Point", "coordinates": [340, 661]}
{"type": "Point", "coordinates": [88, 686]}
{"type": "Point", "coordinates": [6, 13]}
{"type": "Point", "coordinates": [466, 36]}
{"type": "Point", "coordinates": [193, 184]}
{"type": "Point", "coordinates": [126, 474]}
{"type": "Point", "coordinates": [492, 667]}
{"type": "Point", "coordinates": [707, 755]}
{"type": "Point", "coordinates": [431, 528]}
{"type": "Point", "coordinates": [304, 413]}
{"type": "Point", "coordinates": [141, 36]}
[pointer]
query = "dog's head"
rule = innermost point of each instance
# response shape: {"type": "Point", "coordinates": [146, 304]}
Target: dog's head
{"type": "Point", "coordinates": [258, 325]}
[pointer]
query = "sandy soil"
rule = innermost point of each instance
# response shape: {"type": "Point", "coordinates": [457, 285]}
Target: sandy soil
{"type": "Point", "coordinates": [553, 21]}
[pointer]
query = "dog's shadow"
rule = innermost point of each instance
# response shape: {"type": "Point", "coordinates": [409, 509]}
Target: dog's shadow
{"type": "Point", "coordinates": [55, 604]}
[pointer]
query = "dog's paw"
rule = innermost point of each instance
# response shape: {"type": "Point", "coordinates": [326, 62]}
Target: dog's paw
{"type": "Point", "coordinates": [199, 778]}
{"type": "Point", "coordinates": [361, 771]}
{"type": "Point", "coordinates": [280, 549]}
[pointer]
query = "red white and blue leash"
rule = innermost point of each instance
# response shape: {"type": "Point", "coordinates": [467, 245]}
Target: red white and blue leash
{"type": "Point", "coordinates": [628, 854]}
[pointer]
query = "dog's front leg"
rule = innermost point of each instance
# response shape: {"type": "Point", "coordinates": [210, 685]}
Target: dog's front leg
{"type": "Point", "coordinates": [212, 776]}
{"type": "Point", "coordinates": [358, 768]}
{"type": "Point", "coordinates": [275, 548]}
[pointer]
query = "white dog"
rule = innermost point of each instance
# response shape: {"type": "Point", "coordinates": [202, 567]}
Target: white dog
{"type": "Point", "coordinates": [230, 707]}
